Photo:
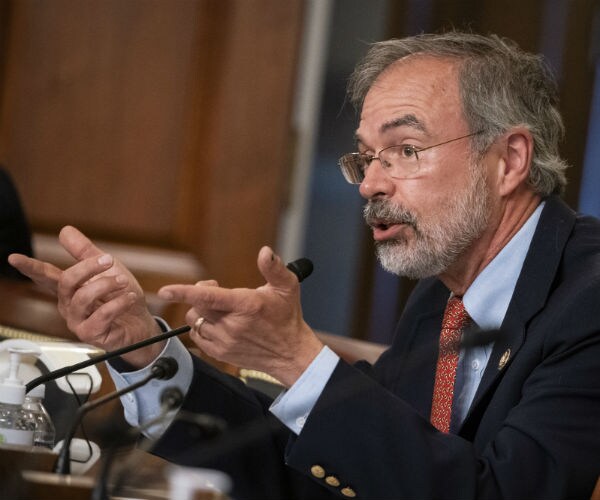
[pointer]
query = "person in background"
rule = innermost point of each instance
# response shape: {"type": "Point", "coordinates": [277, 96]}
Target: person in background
{"type": "Point", "coordinates": [491, 388]}
{"type": "Point", "coordinates": [15, 235]}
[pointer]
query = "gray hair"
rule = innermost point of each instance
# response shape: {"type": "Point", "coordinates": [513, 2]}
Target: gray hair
{"type": "Point", "coordinates": [501, 86]}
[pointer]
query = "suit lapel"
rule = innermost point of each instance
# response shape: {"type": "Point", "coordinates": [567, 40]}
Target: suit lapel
{"type": "Point", "coordinates": [530, 295]}
{"type": "Point", "coordinates": [422, 363]}
{"type": "Point", "coordinates": [408, 369]}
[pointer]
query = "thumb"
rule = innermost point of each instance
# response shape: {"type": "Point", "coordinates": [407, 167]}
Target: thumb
{"type": "Point", "coordinates": [274, 271]}
{"type": "Point", "coordinates": [77, 244]}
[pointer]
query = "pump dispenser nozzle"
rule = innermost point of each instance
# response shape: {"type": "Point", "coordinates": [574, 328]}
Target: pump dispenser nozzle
{"type": "Point", "coordinates": [12, 389]}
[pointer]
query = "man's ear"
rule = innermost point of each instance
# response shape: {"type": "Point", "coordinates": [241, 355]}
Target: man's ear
{"type": "Point", "coordinates": [516, 156]}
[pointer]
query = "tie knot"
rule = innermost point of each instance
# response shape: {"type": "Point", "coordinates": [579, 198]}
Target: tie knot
{"type": "Point", "coordinates": [455, 315]}
{"type": "Point", "coordinates": [455, 320]}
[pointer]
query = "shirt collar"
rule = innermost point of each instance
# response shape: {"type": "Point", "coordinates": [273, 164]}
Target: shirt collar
{"type": "Point", "coordinates": [487, 299]}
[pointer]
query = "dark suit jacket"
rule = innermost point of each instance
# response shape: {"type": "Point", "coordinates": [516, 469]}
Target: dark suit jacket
{"type": "Point", "coordinates": [533, 430]}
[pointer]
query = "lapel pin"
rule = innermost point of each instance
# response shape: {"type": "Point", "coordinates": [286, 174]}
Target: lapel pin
{"type": "Point", "coordinates": [504, 359]}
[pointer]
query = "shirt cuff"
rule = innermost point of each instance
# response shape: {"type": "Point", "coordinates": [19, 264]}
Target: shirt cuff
{"type": "Point", "coordinates": [293, 406]}
{"type": "Point", "coordinates": [143, 404]}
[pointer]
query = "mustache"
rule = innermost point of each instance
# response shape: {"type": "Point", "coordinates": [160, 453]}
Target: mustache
{"type": "Point", "coordinates": [377, 212]}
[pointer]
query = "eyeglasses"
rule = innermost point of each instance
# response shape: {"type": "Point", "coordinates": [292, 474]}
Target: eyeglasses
{"type": "Point", "coordinates": [400, 161]}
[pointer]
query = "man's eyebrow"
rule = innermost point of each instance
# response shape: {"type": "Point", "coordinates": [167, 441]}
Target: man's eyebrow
{"type": "Point", "coordinates": [402, 121]}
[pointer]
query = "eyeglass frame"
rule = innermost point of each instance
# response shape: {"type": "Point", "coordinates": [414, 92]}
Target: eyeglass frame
{"type": "Point", "coordinates": [415, 150]}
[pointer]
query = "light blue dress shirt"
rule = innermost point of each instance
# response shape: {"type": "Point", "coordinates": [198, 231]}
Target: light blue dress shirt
{"type": "Point", "coordinates": [486, 301]}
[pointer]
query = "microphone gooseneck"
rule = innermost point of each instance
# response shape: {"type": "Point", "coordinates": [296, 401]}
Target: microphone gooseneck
{"type": "Point", "coordinates": [163, 369]}
{"type": "Point", "coordinates": [103, 357]}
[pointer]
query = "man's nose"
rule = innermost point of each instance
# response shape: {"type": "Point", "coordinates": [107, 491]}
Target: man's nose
{"type": "Point", "coordinates": [377, 183]}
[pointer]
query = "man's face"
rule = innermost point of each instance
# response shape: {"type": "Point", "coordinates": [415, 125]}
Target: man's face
{"type": "Point", "coordinates": [421, 224]}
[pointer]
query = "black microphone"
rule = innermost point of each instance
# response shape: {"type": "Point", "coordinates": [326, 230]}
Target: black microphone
{"type": "Point", "coordinates": [163, 369]}
{"type": "Point", "coordinates": [302, 268]}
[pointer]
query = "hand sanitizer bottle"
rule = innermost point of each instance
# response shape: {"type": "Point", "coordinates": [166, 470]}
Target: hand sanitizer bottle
{"type": "Point", "coordinates": [44, 432]}
{"type": "Point", "coordinates": [16, 424]}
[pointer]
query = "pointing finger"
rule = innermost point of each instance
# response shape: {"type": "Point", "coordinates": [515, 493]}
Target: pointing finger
{"type": "Point", "coordinates": [40, 272]}
{"type": "Point", "coordinates": [203, 297]}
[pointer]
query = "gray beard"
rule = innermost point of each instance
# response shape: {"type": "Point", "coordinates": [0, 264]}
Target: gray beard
{"type": "Point", "coordinates": [436, 244]}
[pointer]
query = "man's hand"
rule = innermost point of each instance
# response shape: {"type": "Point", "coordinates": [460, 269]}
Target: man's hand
{"type": "Point", "coordinates": [262, 329]}
{"type": "Point", "coordinates": [100, 300]}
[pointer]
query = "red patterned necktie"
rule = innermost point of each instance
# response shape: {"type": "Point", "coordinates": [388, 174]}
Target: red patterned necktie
{"type": "Point", "coordinates": [455, 319]}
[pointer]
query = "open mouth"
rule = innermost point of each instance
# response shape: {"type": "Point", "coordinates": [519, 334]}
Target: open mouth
{"type": "Point", "coordinates": [386, 230]}
{"type": "Point", "coordinates": [383, 226]}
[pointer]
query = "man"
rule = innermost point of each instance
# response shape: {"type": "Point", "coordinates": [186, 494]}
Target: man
{"type": "Point", "coordinates": [457, 159]}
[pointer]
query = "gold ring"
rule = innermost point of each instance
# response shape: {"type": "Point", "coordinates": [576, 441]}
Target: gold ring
{"type": "Point", "coordinates": [198, 324]}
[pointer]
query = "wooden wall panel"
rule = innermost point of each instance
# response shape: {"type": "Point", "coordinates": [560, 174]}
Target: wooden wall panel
{"type": "Point", "coordinates": [154, 122]}
{"type": "Point", "coordinates": [94, 101]}
{"type": "Point", "coordinates": [243, 135]}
